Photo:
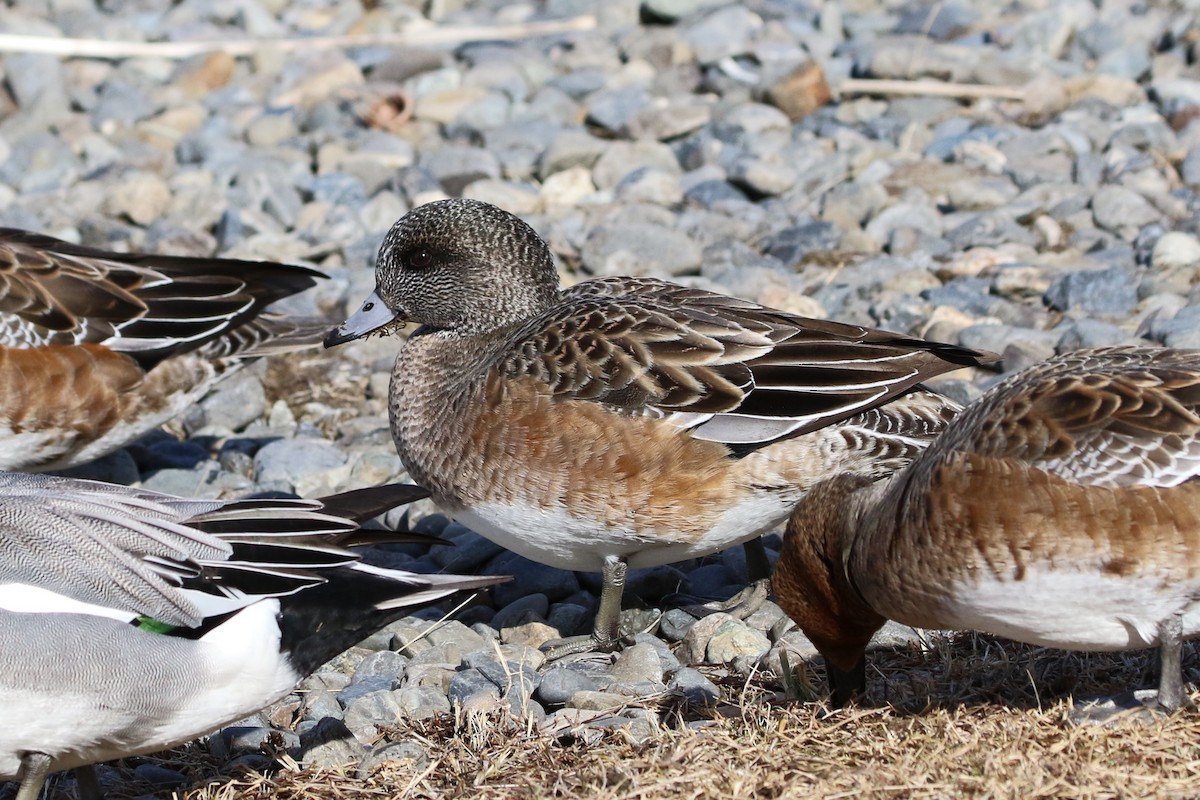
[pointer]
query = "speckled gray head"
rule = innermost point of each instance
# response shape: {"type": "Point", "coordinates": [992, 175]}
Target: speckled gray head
{"type": "Point", "coordinates": [458, 265]}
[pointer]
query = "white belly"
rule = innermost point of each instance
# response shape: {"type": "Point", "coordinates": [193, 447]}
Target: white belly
{"type": "Point", "coordinates": [1075, 609]}
{"type": "Point", "coordinates": [559, 539]}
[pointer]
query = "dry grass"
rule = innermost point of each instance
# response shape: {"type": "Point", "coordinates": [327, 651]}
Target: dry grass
{"type": "Point", "coordinates": [968, 717]}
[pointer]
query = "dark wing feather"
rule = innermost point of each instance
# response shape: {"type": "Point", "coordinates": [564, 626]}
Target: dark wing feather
{"type": "Point", "coordinates": [735, 371]}
{"type": "Point", "coordinates": [150, 306]}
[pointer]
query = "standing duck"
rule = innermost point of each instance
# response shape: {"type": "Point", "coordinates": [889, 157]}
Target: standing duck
{"type": "Point", "coordinates": [1061, 509]}
{"type": "Point", "coordinates": [623, 422]}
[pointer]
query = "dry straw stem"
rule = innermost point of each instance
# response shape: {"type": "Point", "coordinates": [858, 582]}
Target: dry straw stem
{"type": "Point", "coordinates": [423, 36]}
{"type": "Point", "coordinates": [963, 91]}
{"type": "Point", "coordinates": [969, 716]}
{"type": "Point", "coordinates": [771, 751]}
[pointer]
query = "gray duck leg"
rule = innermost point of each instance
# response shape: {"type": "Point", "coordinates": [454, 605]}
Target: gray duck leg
{"type": "Point", "coordinates": [34, 769]}
{"type": "Point", "coordinates": [606, 633]}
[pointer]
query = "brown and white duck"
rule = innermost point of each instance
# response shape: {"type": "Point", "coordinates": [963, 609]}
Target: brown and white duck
{"type": "Point", "coordinates": [624, 422]}
{"type": "Point", "coordinates": [1061, 509]}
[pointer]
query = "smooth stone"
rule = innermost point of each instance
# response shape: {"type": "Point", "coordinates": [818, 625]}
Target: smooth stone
{"type": "Point", "coordinates": [118, 466]}
{"type": "Point", "coordinates": [471, 690]}
{"type": "Point", "coordinates": [531, 634]}
{"type": "Point", "coordinates": [568, 618]}
{"type": "Point", "coordinates": [1118, 209]}
{"type": "Point", "coordinates": [367, 686]}
{"type": "Point", "coordinates": [237, 740]}
{"type": "Point", "coordinates": [621, 158]}
{"type": "Point", "coordinates": [731, 641]}
{"type": "Point", "coordinates": [159, 777]}
{"type": "Point", "coordinates": [456, 166]}
{"type": "Point", "coordinates": [236, 402]}
{"type": "Point", "coordinates": [640, 249]}
{"type": "Point", "coordinates": [410, 754]}
{"type": "Point", "coordinates": [1091, 333]}
{"type": "Point", "coordinates": [589, 700]}
{"type": "Point", "coordinates": [675, 624]}
{"type": "Point", "coordinates": [639, 663]}
{"type": "Point", "coordinates": [558, 684]}
{"type": "Point", "coordinates": [694, 687]}
{"type": "Point", "coordinates": [329, 744]}
{"type": "Point", "coordinates": [530, 608]}
{"type": "Point", "coordinates": [530, 576]}
{"type": "Point", "coordinates": [725, 32]}
{"type": "Point", "coordinates": [694, 645]}
{"type": "Point", "coordinates": [1107, 291]}
{"type": "Point", "coordinates": [469, 552]}
{"type": "Point", "coordinates": [792, 245]}
{"type": "Point", "coordinates": [297, 460]}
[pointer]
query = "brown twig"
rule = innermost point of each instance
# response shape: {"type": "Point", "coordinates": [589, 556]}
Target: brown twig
{"type": "Point", "coordinates": [105, 49]}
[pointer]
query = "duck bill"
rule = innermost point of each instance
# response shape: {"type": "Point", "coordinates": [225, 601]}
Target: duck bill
{"type": "Point", "coordinates": [372, 315]}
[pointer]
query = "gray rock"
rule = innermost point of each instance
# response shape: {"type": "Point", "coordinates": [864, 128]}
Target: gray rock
{"type": "Point", "coordinates": [530, 576]}
{"type": "Point", "coordinates": [792, 245]}
{"type": "Point", "coordinates": [696, 690]}
{"type": "Point", "coordinates": [366, 686]}
{"type": "Point", "coordinates": [759, 178]}
{"type": "Point", "coordinates": [294, 460]}
{"type": "Point", "coordinates": [531, 607]}
{"type": "Point", "coordinates": [1091, 333]}
{"type": "Point", "coordinates": [725, 32]}
{"type": "Point", "coordinates": [469, 553]}
{"type": "Point", "coordinates": [559, 683]}
{"type": "Point", "coordinates": [1119, 209]}
{"type": "Point", "coordinates": [569, 618]}
{"type": "Point", "coordinates": [572, 148]}
{"type": "Point", "coordinates": [172, 454]}
{"type": "Point", "coordinates": [383, 664]}
{"type": "Point", "coordinates": [621, 158]}
{"type": "Point", "coordinates": [235, 403]}
{"type": "Point", "coordinates": [675, 624]}
{"type": "Point", "coordinates": [638, 664]}
{"type": "Point", "coordinates": [1104, 291]}
{"type": "Point", "coordinates": [116, 467]}
{"type": "Point", "coordinates": [672, 10]}
{"type": "Point", "coordinates": [455, 167]}
{"type": "Point", "coordinates": [409, 753]}
{"type": "Point", "coordinates": [615, 109]}
{"type": "Point", "coordinates": [471, 690]}
{"type": "Point", "coordinates": [237, 740]}
{"type": "Point", "coordinates": [668, 122]}
{"type": "Point", "coordinates": [640, 249]}
{"type": "Point", "coordinates": [329, 744]}
{"type": "Point", "coordinates": [159, 777]}
{"type": "Point", "coordinates": [734, 640]}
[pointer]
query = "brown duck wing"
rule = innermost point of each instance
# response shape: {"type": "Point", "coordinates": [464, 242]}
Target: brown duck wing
{"type": "Point", "coordinates": [1110, 417]}
{"type": "Point", "coordinates": [150, 306]}
{"type": "Point", "coordinates": [732, 370]}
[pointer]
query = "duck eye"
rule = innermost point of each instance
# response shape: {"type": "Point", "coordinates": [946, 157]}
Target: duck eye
{"type": "Point", "coordinates": [420, 258]}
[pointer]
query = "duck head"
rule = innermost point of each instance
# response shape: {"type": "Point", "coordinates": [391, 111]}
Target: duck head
{"type": "Point", "coordinates": [456, 265]}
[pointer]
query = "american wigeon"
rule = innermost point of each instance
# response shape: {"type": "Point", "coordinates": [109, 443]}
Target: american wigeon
{"type": "Point", "coordinates": [1062, 509]}
{"type": "Point", "coordinates": [97, 348]}
{"type": "Point", "coordinates": [623, 422]}
{"type": "Point", "coordinates": [131, 621]}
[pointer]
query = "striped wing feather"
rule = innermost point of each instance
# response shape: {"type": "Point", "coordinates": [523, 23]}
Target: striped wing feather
{"type": "Point", "coordinates": [1111, 417]}
{"type": "Point", "coordinates": [137, 550]}
{"type": "Point", "coordinates": [731, 370]}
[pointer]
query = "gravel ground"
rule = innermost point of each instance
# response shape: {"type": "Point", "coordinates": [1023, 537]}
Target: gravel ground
{"type": "Point", "coordinates": [677, 138]}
